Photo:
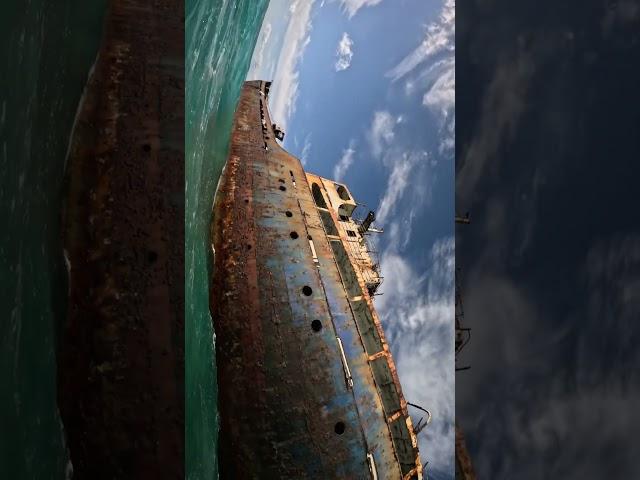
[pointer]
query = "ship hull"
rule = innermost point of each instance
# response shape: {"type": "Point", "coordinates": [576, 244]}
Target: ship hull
{"type": "Point", "coordinates": [286, 404]}
{"type": "Point", "coordinates": [121, 356]}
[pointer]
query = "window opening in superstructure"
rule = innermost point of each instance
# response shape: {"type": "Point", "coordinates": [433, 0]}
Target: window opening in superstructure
{"type": "Point", "coordinates": [317, 196]}
{"type": "Point", "coordinates": [344, 218]}
{"type": "Point", "coordinates": [329, 224]}
{"type": "Point", "coordinates": [342, 192]}
{"type": "Point", "coordinates": [351, 233]}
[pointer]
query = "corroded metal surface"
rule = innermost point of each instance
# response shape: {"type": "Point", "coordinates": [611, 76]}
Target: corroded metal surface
{"type": "Point", "coordinates": [121, 360]}
{"type": "Point", "coordinates": [297, 398]}
{"type": "Point", "coordinates": [464, 468]}
{"type": "Point", "coordinates": [359, 266]}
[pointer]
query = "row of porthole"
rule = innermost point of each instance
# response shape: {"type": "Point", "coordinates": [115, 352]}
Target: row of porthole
{"type": "Point", "coordinates": [316, 326]}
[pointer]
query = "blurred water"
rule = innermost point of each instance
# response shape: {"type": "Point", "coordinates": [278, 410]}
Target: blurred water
{"type": "Point", "coordinates": [47, 49]}
{"type": "Point", "coordinates": [220, 38]}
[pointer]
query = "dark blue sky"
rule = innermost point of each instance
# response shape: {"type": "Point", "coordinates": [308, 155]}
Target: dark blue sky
{"type": "Point", "coordinates": [365, 92]}
{"type": "Point", "coordinates": [548, 130]}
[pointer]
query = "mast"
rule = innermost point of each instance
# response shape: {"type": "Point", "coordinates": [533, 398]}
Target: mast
{"type": "Point", "coordinates": [464, 467]}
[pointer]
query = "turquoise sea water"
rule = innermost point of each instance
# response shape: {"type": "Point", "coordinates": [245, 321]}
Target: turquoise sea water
{"type": "Point", "coordinates": [220, 38]}
{"type": "Point", "coordinates": [47, 48]}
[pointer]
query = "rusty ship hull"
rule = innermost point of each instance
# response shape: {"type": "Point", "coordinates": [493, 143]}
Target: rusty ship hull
{"type": "Point", "coordinates": [307, 384]}
{"type": "Point", "coordinates": [121, 357]}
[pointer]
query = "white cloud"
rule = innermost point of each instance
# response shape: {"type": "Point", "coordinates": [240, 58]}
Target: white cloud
{"type": "Point", "coordinates": [344, 163]}
{"type": "Point", "coordinates": [448, 140]}
{"type": "Point", "coordinates": [352, 6]}
{"type": "Point", "coordinates": [381, 133]}
{"type": "Point", "coordinates": [306, 149]}
{"type": "Point", "coordinates": [344, 53]}
{"type": "Point", "coordinates": [400, 166]}
{"type": "Point", "coordinates": [441, 96]}
{"type": "Point", "coordinates": [439, 78]}
{"type": "Point", "coordinates": [404, 166]}
{"type": "Point", "coordinates": [284, 92]}
{"type": "Point", "coordinates": [440, 37]}
{"type": "Point", "coordinates": [417, 313]}
{"type": "Point", "coordinates": [396, 187]}
{"type": "Point", "coordinates": [263, 41]}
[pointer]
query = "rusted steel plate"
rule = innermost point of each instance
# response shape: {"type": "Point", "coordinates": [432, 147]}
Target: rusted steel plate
{"type": "Point", "coordinates": [464, 467]}
{"type": "Point", "coordinates": [121, 359]}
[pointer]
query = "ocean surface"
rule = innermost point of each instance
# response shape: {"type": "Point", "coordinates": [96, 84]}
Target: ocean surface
{"type": "Point", "coordinates": [47, 49]}
{"type": "Point", "coordinates": [220, 38]}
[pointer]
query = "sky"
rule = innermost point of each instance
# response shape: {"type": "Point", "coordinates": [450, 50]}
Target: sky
{"type": "Point", "coordinates": [364, 90]}
{"type": "Point", "coordinates": [548, 141]}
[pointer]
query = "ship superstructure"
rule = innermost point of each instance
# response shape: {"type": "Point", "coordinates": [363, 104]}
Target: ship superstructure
{"type": "Point", "coordinates": [307, 383]}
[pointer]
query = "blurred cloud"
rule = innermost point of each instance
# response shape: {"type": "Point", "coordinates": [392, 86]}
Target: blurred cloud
{"type": "Point", "coordinates": [345, 162]}
{"type": "Point", "coordinates": [284, 93]}
{"type": "Point", "coordinates": [351, 7]}
{"type": "Point", "coordinates": [432, 67]}
{"type": "Point", "coordinates": [306, 150]}
{"type": "Point", "coordinates": [344, 53]}
{"type": "Point", "coordinates": [381, 132]}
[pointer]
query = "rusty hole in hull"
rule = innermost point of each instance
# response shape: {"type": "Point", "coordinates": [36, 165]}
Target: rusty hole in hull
{"type": "Point", "coordinates": [293, 235]}
{"type": "Point", "coordinates": [306, 290]}
{"type": "Point", "coordinates": [316, 325]}
{"type": "Point", "coordinates": [283, 188]}
{"type": "Point", "coordinates": [339, 428]}
{"type": "Point", "coordinates": [288, 213]}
